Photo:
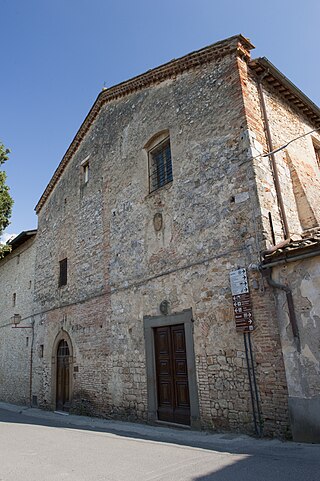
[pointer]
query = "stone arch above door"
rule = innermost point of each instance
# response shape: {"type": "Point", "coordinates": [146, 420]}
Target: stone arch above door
{"type": "Point", "coordinates": [62, 370]}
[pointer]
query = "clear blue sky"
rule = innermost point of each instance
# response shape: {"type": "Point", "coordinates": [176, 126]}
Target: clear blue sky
{"type": "Point", "coordinates": [56, 55]}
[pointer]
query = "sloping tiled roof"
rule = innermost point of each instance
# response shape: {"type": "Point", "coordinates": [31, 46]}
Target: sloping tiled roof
{"type": "Point", "coordinates": [21, 238]}
{"type": "Point", "coordinates": [309, 243]}
{"type": "Point", "coordinates": [237, 43]}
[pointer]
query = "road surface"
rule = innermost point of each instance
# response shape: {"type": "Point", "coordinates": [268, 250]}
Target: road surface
{"type": "Point", "coordinates": [36, 445]}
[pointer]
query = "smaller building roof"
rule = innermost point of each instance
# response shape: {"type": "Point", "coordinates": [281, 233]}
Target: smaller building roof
{"type": "Point", "coordinates": [21, 238]}
{"type": "Point", "coordinates": [291, 250]}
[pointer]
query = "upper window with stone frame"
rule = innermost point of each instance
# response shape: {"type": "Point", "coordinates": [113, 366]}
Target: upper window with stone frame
{"type": "Point", "coordinates": [160, 162]}
{"type": "Point", "coordinates": [85, 170]}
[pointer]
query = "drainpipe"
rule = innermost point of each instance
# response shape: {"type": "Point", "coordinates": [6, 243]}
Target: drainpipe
{"type": "Point", "coordinates": [273, 159]}
{"type": "Point", "coordinates": [267, 271]}
{"type": "Point", "coordinates": [292, 314]}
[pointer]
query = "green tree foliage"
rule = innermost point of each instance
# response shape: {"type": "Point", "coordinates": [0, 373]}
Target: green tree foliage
{"type": "Point", "coordinates": [6, 201]}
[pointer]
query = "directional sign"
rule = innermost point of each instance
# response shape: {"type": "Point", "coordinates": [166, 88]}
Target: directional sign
{"type": "Point", "coordinates": [239, 282]}
{"type": "Point", "coordinates": [243, 312]}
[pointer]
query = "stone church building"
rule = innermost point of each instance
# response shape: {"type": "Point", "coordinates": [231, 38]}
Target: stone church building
{"type": "Point", "coordinates": [174, 275]}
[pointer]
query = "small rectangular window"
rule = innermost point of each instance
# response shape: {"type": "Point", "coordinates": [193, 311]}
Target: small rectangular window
{"type": "Point", "coordinates": [85, 170]}
{"type": "Point", "coordinates": [14, 299]}
{"type": "Point", "coordinates": [63, 275]}
{"type": "Point", "coordinates": [160, 165]}
{"type": "Point", "coordinates": [86, 173]}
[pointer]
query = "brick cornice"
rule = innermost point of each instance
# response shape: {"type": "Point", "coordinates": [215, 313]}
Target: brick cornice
{"type": "Point", "coordinates": [237, 44]}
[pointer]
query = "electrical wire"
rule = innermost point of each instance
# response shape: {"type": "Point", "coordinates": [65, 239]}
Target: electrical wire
{"type": "Point", "coordinates": [286, 145]}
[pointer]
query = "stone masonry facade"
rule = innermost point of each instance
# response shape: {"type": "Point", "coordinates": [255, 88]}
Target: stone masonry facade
{"type": "Point", "coordinates": [16, 287]}
{"type": "Point", "coordinates": [215, 218]}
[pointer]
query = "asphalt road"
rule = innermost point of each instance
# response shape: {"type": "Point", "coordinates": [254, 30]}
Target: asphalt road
{"type": "Point", "coordinates": [49, 447]}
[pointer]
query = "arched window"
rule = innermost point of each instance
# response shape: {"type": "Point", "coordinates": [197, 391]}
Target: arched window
{"type": "Point", "coordinates": [63, 349]}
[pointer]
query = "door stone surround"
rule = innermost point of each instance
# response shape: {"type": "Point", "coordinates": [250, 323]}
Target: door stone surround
{"type": "Point", "coordinates": [151, 322]}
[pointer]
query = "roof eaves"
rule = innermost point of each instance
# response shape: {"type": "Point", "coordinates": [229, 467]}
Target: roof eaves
{"type": "Point", "coordinates": [286, 88]}
{"type": "Point", "coordinates": [21, 238]}
{"type": "Point", "coordinates": [293, 249]}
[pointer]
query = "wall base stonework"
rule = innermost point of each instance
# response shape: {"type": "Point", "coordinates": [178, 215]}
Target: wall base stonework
{"type": "Point", "coordinates": [305, 419]}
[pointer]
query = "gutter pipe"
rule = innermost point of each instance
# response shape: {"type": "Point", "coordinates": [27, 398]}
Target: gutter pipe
{"type": "Point", "coordinates": [292, 314]}
{"type": "Point", "coordinates": [267, 270]}
{"type": "Point", "coordinates": [286, 260]}
{"type": "Point", "coordinates": [273, 160]}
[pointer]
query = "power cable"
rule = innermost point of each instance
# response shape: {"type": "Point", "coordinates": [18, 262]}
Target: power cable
{"type": "Point", "coordinates": [286, 145]}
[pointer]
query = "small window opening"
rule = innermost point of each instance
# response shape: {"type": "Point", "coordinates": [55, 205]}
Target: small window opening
{"type": "Point", "coordinates": [85, 170]}
{"type": "Point", "coordinates": [63, 275]}
{"type": "Point", "coordinates": [18, 259]}
{"type": "Point", "coordinates": [160, 165]}
{"type": "Point", "coordinates": [14, 299]}
{"type": "Point", "coordinates": [86, 173]}
{"type": "Point", "coordinates": [30, 284]}
{"type": "Point", "coordinates": [317, 152]}
{"type": "Point", "coordinates": [41, 350]}
{"type": "Point", "coordinates": [27, 341]}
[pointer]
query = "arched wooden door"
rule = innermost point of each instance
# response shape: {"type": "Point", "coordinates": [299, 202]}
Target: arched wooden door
{"type": "Point", "coordinates": [63, 377]}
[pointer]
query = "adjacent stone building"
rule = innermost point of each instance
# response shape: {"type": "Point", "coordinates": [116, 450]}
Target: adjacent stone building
{"type": "Point", "coordinates": [296, 277]}
{"type": "Point", "coordinates": [164, 192]}
{"type": "Point", "coordinates": [16, 288]}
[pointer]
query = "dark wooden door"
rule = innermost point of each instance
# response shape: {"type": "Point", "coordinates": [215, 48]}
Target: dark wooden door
{"type": "Point", "coordinates": [172, 374]}
{"type": "Point", "coordinates": [63, 377]}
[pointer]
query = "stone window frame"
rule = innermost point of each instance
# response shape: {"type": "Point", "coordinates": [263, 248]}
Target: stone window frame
{"type": "Point", "coordinates": [150, 323]}
{"type": "Point", "coordinates": [159, 144]}
{"type": "Point", "coordinates": [85, 170]}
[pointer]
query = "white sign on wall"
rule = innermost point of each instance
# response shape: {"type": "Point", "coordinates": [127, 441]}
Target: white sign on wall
{"type": "Point", "coordinates": [239, 282]}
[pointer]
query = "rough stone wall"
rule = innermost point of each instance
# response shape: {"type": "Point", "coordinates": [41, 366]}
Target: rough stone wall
{"type": "Point", "coordinates": [72, 226]}
{"type": "Point", "coordinates": [298, 169]}
{"type": "Point", "coordinates": [120, 268]}
{"type": "Point", "coordinates": [146, 266]}
{"type": "Point", "coordinates": [16, 276]}
{"type": "Point", "coordinates": [302, 367]}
